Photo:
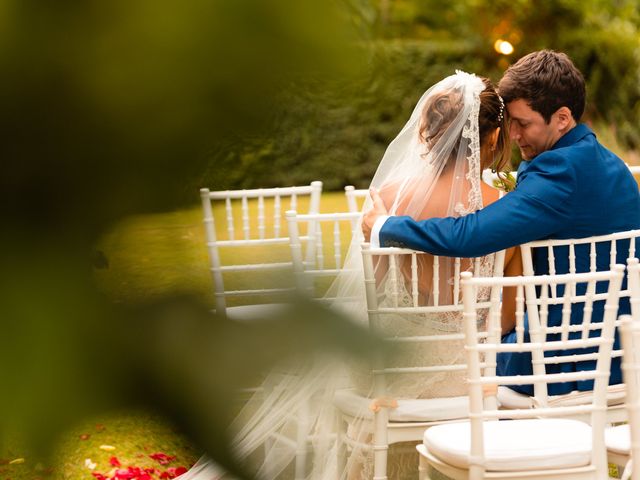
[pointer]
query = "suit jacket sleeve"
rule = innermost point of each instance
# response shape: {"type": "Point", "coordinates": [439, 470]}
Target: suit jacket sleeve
{"type": "Point", "coordinates": [538, 207]}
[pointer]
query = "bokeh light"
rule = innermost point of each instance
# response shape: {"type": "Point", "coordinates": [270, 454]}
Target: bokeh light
{"type": "Point", "coordinates": [504, 47]}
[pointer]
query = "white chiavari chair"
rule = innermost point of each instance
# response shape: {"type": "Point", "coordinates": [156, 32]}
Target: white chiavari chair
{"type": "Point", "coordinates": [545, 442]}
{"type": "Point", "coordinates": [399, 419]}
{"type": "Point", "coordinates": [623, 441]}
{"type": "Point", "coordinates": [355, 197]}
{"type": "Point", "coordinates": [589, 254]}
{"type": "Point", "coordinates": [253, 222]}
{"type": "Point", "coordinates": [319, 244]}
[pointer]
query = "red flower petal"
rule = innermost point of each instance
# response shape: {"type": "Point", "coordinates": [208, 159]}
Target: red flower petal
{"type": "Point", "coordinates": [173, 472]}
{"type": "Point", "coordinates": [99, 476]}
{"type": "Point", "coordinates": [115, 462]}
{"type": "Point", "coordinates": [162, 458]}
{"type": "Point", "coordinates": [124, 474]}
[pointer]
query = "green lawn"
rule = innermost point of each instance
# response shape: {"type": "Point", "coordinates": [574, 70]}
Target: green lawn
{"type": "Point", "coordinates": [148, 257]}
{"type": "Point", "coordinates": [154, 255]}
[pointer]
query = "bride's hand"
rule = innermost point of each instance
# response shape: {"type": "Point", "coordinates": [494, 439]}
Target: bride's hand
{"type": "Point", "coordinates": [372, 215]}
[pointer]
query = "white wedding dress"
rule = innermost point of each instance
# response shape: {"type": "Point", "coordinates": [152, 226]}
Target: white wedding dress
{"type": "Point", "coordinates": [431, 169]}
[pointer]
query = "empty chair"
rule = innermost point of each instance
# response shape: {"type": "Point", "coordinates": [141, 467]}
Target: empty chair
{"type": "Point", "coordinates": [534, 443]}
{"type": "Point", "coordinates": [623, 441]}
{"type": "Point", "coordinates": [319, 243]}
{"type": "Point", "coordinates": [418, 309]}
{"type": "Point", "coordinates": [253, 229]}
{"type": "Point", "coordinates": [579, 255]}
{"type": "Point", "coordinates": [354, 194]}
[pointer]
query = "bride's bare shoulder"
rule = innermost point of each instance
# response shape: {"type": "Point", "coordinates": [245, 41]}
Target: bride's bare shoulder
{"type": "Point", "coordinates": [489, 194]}
{"type": "Point", "coordinates": [389, 190]}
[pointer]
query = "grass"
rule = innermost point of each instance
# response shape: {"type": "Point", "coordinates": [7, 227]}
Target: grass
{"type": "Point", "coordinates": [154, 255]}
{"type": "Point", "coordinates": [134, 436]}
{"type": "Point", "coordinates": [147, 257]}
{"type": "Point", "coordinates": [130, 437]}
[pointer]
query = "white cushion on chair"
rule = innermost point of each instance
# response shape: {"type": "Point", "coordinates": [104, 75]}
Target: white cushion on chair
{"type": "Point", "coordinates": [421, 410]}
{"type": "Point", "coordinates": [514, 445]}
{"type": "Point", "coordinates": [618, 439]}
{"type": "Point", "coordinates": [252, 313]}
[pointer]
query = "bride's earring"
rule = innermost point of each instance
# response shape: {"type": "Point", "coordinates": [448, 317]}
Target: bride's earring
{"type": "Point", "coordinates": [493, 165]}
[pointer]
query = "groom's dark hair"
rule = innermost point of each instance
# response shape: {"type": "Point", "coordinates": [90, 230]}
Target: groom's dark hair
{"type": "Point", "coordinates": [546, 80]}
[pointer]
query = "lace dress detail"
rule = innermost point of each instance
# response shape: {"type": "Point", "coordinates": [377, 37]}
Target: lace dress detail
{"type": "Point", "coordinates": [450, 352]}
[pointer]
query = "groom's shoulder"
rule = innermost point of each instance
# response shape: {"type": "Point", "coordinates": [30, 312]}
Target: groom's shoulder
{"type": "Point", "coordinates": [554, 159]}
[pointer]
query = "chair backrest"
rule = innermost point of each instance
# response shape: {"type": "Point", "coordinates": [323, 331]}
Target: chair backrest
{"type": "Point", "coordinates": [591, 342]}
{"type": "Point", "coordinates": [630, 336]}
{"type": "Point", "coordinates": [412, 309]}
{"type": "Point", "coordinates": [253, 220]}
{"type": "Point", "coordinates": [353, 194]}
{"type": "Point", "coordinates": [319, 243]}
{"type": "Point", "coordinates": [579, 255]}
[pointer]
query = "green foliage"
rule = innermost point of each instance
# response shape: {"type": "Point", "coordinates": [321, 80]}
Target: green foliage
{"type": "Point", "coordinates": [338, 132]}
{"type": "Point", "coordinates": [107, 110]}
{"type": "Point", "coordinates": [336, 129]}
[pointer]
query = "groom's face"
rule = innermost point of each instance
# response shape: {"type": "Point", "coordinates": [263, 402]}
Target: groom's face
{"type": "Point", "coordinates": [529, 130]}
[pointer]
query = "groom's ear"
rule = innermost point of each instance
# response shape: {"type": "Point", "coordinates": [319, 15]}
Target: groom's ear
{"type": "Point", "coordinates": [564, 119]}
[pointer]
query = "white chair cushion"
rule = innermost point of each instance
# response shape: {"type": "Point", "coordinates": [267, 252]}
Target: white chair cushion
{"type": "Point", "coordinates": [421, 410]}
{"type": "Point", "coordinates": [618, 439]}
{"type": "Point", "coordinates": [253, 313]}
{"type": "Point", "coordinates": [515, 445]}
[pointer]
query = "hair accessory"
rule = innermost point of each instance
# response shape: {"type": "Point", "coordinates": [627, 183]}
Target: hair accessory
{"type": "Point", "coordinates": [501, 111]}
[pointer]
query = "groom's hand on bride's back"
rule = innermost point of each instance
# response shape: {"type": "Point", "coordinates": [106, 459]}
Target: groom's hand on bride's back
{"type": "Point", "coordinates": [372, 215]}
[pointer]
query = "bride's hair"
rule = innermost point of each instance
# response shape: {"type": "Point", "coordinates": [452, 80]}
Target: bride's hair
{"type": "Point", "coordinates": [442, 108]}
{"type": "Point", "coordinates": [493, 114]}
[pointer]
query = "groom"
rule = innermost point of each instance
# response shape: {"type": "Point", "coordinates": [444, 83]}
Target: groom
{"type": "Point", "coordinates": [568, 186]}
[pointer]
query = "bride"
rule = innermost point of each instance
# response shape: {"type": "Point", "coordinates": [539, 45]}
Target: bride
{"type": "Point", "coordinates": [431, 169]}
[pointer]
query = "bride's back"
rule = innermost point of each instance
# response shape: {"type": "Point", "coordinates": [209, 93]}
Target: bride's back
{"type": "Point", "coordinates": [438, 205]}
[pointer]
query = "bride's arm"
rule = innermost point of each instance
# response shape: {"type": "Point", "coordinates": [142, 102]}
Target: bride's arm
{"type": "Point", "coordinates": [512, 268]}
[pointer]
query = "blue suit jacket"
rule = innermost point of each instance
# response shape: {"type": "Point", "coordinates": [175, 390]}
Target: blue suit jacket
{"type": "Point", "coordinates": [576, 189]}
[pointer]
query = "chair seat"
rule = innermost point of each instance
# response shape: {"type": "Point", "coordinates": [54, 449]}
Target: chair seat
{"type": "Point", "coordinates": [252, 313]}
{"type": "Point", "coordinates": [421, 410]}
{"type": "Point", "coordinates": [515, 445]}
{"type": "Point", "coordinates": [618, 439]}
{"type": "Point", "coordinates": [509, 399]}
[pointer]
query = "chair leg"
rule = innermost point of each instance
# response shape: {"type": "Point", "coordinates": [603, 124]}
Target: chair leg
{"type": "Point", "coordinates": [626, 474]}
{"type": "Point", "coordinates": [423, 467]}
{"type": "Point", "coordinates": [341, 445]}
{"type": "Point", "coordinates": [380, 453]}
{"type": "Point", "coordinates": [301, 442]}
{"type": "Point", "coordinates": [380, 445]}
